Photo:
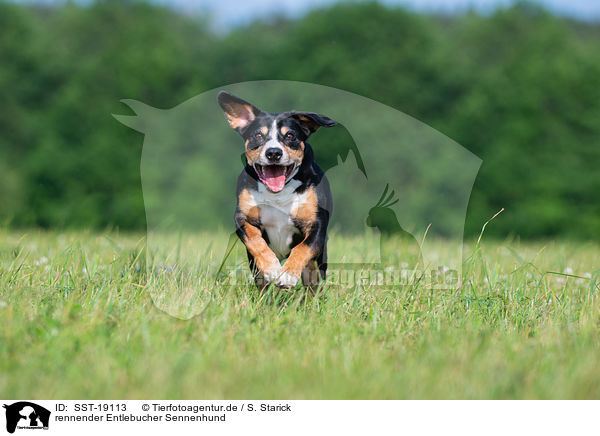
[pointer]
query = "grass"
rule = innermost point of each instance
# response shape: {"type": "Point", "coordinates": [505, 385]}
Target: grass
{"type": "Point", "coordinates": [77, 321]}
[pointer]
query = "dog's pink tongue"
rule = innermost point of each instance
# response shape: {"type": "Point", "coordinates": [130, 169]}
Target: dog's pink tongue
{"type": "Point", "coordinates": [274, 177]}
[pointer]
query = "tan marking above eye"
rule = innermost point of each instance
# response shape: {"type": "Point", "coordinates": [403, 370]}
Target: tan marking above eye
{"type": "Point", "coordinates": [284, 130]}
{"type": "Point", "coordinates": [264, 130]}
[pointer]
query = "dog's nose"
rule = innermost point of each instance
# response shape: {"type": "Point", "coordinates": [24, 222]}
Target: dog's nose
{"type": "Point", "coordinates": [274, 154]}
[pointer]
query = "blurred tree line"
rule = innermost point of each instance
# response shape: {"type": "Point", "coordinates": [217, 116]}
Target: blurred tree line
{"type": "Point", "coordinates": [519, 88]}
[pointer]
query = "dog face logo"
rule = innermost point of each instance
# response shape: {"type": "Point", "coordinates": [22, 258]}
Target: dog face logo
{"type": "Point", "coordinates": [274, 143]}
{"type": "Point", "coordinates": [26, 415]}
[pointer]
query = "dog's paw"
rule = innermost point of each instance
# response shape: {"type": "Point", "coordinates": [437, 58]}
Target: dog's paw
{"type": "Point", "coordinates": [286, 280]}
{"type": "Point", "coordinates": [273, 273]}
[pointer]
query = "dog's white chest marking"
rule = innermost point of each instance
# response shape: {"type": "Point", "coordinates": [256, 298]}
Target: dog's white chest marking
{"type": "Point", "coordinates": [276, 215]}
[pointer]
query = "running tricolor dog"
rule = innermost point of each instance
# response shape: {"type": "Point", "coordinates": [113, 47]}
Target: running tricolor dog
{"type": "Point", "coordinates": [283, 198]}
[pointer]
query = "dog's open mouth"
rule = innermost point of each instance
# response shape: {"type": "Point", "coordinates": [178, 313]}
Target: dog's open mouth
{"type": "Point", "coordinates": [274, 176]}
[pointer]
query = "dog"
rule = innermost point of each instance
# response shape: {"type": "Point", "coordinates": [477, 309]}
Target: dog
{"type": "Point", "coordinates": [284, 201]}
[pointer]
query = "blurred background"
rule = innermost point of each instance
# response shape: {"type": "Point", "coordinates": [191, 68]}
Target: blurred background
{"type": "Point", "coordinates": [517, 84]}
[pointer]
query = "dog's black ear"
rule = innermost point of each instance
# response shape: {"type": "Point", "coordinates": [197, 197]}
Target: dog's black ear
{"type": "Point", "coordinates": [310, 121]}
{"type": "Point", "coordinates": [239, 113]}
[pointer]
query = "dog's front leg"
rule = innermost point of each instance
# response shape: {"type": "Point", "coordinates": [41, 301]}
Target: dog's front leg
{"type": "Point", "coordinates": [265, 260]}
{"type": "Point", "coordinates": [300, 255]}
{"type": "Point", "coordinates": [303, 253]}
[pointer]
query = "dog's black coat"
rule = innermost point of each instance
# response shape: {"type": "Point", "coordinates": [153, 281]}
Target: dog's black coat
{"type": "Point", "coordinates": [299, 210]}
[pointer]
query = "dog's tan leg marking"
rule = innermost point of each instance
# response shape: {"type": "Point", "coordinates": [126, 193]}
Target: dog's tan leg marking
{"type": "Point", "coordinates": [248, 206]}
{"type": "Point", "coordinates": [307, 211]}
{"type": "Point", "coordinates": [298, 259]}
{"type": "Point", "coordinates": [265, 259]}
{"type": "Point", "coordinates": [301, 254]}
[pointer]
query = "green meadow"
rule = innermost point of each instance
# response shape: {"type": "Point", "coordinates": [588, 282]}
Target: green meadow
{"type": "Point", "coordinates": [81, 308]}
{"type": "Point", "coordinates": [78, 321]}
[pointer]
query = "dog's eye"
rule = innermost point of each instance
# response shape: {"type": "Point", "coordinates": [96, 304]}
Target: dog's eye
{"type": "Point", "coordinates": [258, 136]}
{"type": "Point", "coordinates": [289, 136]}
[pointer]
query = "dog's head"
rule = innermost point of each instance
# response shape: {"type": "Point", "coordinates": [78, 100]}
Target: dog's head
{"type": "Point", "coordinates": [275, 143]}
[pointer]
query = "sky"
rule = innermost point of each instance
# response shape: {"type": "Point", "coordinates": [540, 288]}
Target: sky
{"type": "Point", "coordinates": [226, 13]}
{"type": "Point", "coordinates": [239, 11]}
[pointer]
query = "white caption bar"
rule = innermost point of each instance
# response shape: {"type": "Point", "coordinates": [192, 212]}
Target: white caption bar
{"type": "Point", "coordinates": [298, 417]}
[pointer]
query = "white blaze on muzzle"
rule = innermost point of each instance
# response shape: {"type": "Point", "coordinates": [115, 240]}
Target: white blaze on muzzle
{"type": "Point", "coordinates": [274, 174]}
{"type": "Point", "coordinates": [272, 142]}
